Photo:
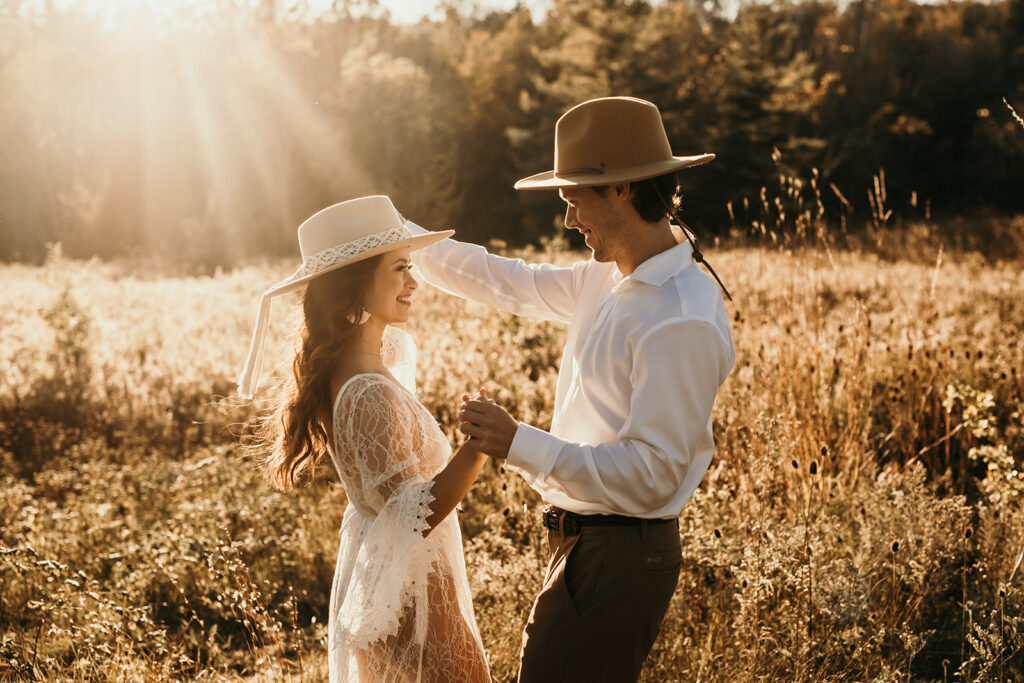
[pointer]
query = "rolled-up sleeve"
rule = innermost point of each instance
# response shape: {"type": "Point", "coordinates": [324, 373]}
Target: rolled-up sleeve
{"type": "Point", "coordinates": [663, 447]}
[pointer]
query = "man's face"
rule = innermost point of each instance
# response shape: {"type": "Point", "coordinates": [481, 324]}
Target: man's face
{"type": "Point", "coordinates": [598, 218]}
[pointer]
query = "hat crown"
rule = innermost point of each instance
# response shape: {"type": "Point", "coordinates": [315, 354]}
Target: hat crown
{"type": "Point", "coordinates": [610, 133]}
{"type": "Point", "coordinates": [347, 222]}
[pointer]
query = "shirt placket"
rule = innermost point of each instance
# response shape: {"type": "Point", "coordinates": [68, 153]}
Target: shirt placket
{"type": "Point", "coordinates": [601, 318]}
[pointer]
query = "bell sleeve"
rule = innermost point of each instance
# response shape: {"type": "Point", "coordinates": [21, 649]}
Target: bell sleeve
{"type": "Point", "coordinates": [375, 430]}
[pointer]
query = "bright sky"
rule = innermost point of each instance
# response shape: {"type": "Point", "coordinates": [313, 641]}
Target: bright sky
{"type": "Point", "coordinates": [401, 11]}
{"type": "Point", "coordinates": [411, 11]}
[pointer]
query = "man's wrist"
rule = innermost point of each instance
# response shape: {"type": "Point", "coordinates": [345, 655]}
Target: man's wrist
{"type": "Point", "coordinates": [533, 451]}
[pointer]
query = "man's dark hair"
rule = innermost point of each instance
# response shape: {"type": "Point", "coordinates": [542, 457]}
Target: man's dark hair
{"type": "Point", "coordinates": [646, 200]}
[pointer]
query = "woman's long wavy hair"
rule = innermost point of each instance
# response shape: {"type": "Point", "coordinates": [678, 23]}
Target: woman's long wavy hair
{"type": "Point", "coordinates": [295, 433]}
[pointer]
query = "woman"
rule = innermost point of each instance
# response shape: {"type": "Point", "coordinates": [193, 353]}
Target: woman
{"type": "Point", "coordinates": [400, 605]}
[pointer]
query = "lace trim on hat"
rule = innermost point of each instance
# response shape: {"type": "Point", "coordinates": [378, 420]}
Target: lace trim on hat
{"type": "Point", "coordinates": [331, 256]}
{"type": "Point", "coordinates": [318, 262]}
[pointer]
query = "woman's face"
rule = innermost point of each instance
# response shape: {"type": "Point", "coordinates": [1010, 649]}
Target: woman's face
{"type": "Point", "coordinates": [389, 297]}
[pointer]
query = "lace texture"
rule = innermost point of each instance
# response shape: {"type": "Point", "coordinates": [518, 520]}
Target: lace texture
{"type": "Point", "coordinates": [325, 258]}
{"type": "Point", "coordinates": [400, 603]}
{"type": "Point", "coordinates": [398, 351]}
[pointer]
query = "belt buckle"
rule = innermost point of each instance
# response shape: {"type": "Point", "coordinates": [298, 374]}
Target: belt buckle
{"type": "Point", "coordinates": [559, 520]}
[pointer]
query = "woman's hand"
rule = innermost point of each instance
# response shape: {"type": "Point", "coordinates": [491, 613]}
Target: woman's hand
{"type": "Point", "coordinates": [487, 424]}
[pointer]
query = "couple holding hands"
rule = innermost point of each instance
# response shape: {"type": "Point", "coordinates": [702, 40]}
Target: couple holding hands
{"type": "Point", "coordinates": [648, 347]}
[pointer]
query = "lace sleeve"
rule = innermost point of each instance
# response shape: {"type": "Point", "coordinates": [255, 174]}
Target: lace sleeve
{"type": "Point", "coordinates": [375, 431]}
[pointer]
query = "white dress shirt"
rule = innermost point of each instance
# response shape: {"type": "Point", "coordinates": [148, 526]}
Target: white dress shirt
{"type": "Point", "coordinates": [643, 360]}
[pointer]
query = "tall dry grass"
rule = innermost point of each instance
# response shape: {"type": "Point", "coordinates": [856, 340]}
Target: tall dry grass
{"type": "Point", "coordinates": [1014, 114]}
{"type": "Point", "coordinates": [862, 518]}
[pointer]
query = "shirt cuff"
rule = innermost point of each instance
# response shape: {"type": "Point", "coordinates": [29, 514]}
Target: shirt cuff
{"type": "Point", "coordinates": [533, 452]}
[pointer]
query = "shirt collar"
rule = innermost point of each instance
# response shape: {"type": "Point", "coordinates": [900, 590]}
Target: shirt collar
{"type": "Point", "coordinates": [660, 267]}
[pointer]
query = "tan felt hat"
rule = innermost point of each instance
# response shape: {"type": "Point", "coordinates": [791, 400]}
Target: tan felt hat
{"type": "Point", "coordinates": [610, 140]}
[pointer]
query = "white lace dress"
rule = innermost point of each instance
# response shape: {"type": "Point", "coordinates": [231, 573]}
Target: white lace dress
{"type": "Point", "coordinates": [400, 605]}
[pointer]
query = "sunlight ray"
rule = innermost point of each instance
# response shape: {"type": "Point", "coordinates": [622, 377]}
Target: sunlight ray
{"type": "Point", "coordinates": [220, 171]}
{"type": "Point", "coordinates": [323, 145]}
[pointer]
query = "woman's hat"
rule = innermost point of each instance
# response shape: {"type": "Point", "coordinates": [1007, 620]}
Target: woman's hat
{"type": "Point", "coordinates": [330, 239]}
{"type": "Point", "coordinates": [610, 140]}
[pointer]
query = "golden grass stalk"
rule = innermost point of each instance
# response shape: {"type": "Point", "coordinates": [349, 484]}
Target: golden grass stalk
{"type": "Point", "coordinates": [1014, 114]}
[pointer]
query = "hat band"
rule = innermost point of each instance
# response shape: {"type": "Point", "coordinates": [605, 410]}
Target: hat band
{"type": "Point", "coordinates": [330, 257]}
{"type": "Point", "coordinates": [579, 171]}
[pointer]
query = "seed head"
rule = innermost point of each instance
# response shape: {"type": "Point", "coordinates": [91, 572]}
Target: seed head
{"type": "Point", "coordinates": [718, 534]}
{"type": "Point", "coordinates": [968, 532]}
{"type": "Point", "coordinates": [895, 546]}
{"type": "Point", "coordinates": [814, 467]}
{"type": "Point", "coordinates": [796, 465]}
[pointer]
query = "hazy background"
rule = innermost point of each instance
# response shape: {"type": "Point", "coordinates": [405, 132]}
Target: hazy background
{"type": "Point", "coordinates": [204, 131]}
{"type": "Point", "coordinates": [863, 519]}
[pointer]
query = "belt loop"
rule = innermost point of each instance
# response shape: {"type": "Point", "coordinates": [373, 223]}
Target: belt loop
{"type": "Point", "coordinates": [643, 529]}
{"type": "Point", "coordinates": [561, 522]}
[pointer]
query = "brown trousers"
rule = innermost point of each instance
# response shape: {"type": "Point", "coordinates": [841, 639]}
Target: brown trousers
{"type": "Point", "coordinates": [604, 597]}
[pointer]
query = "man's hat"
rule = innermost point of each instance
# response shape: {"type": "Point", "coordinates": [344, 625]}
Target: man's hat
{"type": "Point", "coordinates": [610, 140]}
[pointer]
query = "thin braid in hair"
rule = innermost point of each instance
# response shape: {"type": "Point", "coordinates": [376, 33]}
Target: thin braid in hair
{"type": "Point", "coordinates": [698, 256]}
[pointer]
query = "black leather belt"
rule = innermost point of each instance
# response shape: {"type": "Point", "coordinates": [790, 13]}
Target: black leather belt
{"type": "Point", "coordinates": [570, 523]}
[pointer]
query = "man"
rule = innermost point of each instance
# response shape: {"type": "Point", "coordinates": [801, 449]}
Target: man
{"type": "Point", "coordinates": [647, 349]}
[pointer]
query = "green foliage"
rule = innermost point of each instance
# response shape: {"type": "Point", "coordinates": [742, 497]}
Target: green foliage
{"type": "Point", "coordinates": [205, 138]}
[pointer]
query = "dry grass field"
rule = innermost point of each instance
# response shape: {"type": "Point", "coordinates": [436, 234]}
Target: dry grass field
{"type": "Point", "coordinates": [863, 519]}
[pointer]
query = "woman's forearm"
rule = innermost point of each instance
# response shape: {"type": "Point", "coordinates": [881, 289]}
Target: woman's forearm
{"type": "Point", "coordinates": [452, 483]}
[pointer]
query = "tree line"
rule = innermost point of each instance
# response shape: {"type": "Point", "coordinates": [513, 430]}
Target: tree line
{"type": "Point", "coordinates": [208, 133]}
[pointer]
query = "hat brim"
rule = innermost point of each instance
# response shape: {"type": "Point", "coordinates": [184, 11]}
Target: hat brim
{"type": "Point", "coordinates": [301, 277]}
{"type": "Point", "coordinates": [550, 180]}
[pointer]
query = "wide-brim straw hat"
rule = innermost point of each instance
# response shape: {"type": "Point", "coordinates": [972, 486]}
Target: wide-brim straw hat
{"type": "Point", "coordinates": [610, 140]}
{"type": "Point", "coordinates": [330, 239]}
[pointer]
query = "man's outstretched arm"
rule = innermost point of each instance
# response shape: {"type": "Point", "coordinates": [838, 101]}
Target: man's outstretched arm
{"type": "Point", "coordinates": [468, 270]}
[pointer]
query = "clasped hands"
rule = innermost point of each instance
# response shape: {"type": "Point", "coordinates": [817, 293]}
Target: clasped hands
{"type": "Point", "coordinates": [489, 427]}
